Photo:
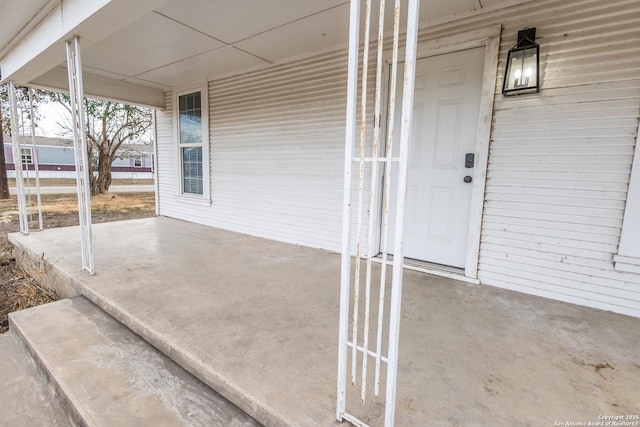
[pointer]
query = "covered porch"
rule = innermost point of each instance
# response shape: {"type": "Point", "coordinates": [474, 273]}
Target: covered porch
{"type": "Point", "coordinates": [257, 320]}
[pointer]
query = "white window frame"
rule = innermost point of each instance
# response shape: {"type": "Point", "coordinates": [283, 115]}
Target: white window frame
{"type": "Point", "coordinates": [628, 257]}
{"type": "Point", "coordinates": [203, 88]}
{"type": "Point", "coordinates": [137, 159]}
{"type": "Point", "coordinates": [26, 153]}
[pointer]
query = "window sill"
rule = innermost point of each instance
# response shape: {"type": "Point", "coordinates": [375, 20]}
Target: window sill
{"type": "Point", "coordinates": [626, 264]}
{"type": "Point", "coordinates": [195, 200]}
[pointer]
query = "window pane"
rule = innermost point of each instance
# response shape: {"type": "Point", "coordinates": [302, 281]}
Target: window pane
{"type": "Point", "coordinates": [192, 170]}
{"type": "Point", "coordinates": [190, 140]}
{"type": "Point", "coordinates": [25, 154]}
{"type": "Point", "coordinates": [190, 118]}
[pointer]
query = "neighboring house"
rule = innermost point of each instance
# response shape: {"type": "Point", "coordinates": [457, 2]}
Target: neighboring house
{"type": "Point", "coordinates": [56, 159]}
{"type": "Point", "coordinates": [557, 188]}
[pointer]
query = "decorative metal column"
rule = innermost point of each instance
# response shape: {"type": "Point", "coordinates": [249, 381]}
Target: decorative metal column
{"type": "Point", "coordinates": [17, 160]}
{"type": "Point", "coordinates": [78, 120]}
{"type": "Point", "coordinates": [356, 320]}
{"type": "Point", "coordinates": [34, 158]}
{"type": "Point", "coordinates": [398, 260]}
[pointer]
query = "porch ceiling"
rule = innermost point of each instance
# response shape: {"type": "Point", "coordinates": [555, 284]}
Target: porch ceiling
{"type": "Point", "coordinates": [183, 41]}
{"type": "Point", "coordinates": [14, 19]}
{"type": "Point", "coordinates": [171, 43]}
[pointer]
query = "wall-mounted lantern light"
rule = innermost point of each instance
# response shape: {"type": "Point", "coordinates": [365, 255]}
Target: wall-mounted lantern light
{"type": "Point", "coordinates": [522, 74]}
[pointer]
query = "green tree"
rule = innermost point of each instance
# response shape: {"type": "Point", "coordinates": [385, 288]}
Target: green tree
{"type": "Point", "coordinates": [109, 125]}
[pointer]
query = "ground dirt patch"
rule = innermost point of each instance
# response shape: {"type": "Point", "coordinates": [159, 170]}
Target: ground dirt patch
{"type": "Point", "coordinates": [17, 289]}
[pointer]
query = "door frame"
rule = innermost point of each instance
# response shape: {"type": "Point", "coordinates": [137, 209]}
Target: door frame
{"type": "Point", "coordinates": [489, 38]}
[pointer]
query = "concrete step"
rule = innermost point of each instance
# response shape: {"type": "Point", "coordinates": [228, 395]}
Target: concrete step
{"type": "Point", "coordinates": [105, 375]}
{"type": "Point", "coordinates": [24, 398]}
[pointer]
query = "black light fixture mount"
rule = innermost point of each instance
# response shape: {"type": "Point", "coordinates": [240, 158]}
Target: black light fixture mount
{"type": "Point", "coordinates": [522, 73]}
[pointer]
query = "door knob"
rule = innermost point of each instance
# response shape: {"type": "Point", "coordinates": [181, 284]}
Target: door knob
{"type": "Point", "coordinates": [468, 179]}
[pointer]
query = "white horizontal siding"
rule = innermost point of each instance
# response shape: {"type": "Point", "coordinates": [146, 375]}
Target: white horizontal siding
{"type": "Point", "coordinates": [560, 160]}
{"type": "Point", "coordinates": [277, 141]}
{"type": "Point", "coordinates": [558, 169]}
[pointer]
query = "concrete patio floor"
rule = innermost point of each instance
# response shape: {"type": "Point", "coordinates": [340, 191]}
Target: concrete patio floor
{"type": "Point", "coordinates": [257, 320]}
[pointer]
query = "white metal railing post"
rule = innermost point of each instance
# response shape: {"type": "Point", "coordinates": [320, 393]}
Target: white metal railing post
{"type": "Point", "coordinates": [78, 117]}
{"type": "Point", "coordinates": [359, 342]}
{"type": "Point", "coordinates": [387, 190]}
{"type": "Point", "coordinates": [17, 160]}
{"type": "Point", "coordinates": [373, 193]}
{"type": "Point", "coordinates": [34, 159]}
{"type": "Point", "coordinates": [398, 260]}
{"type": "Point", "coordinates": [345, 273]}
{"type": "Point", "coordinates": [154, 159]}
{"type": "Point", "coordinates": [361, 160]}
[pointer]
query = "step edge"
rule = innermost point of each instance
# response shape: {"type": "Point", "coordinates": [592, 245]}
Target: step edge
{"type": "Point", "coordinates": [258, 410]}
{"type": "Point", "coordinates": [60, 393]}
{"type": "Point", "coordinates": [41, 267]}
{"type": "Point", "coordinates": [37, 375]}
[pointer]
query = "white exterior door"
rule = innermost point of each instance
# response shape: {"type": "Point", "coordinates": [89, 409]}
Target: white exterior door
{"type": "Point", "coordinates": [445, 123]}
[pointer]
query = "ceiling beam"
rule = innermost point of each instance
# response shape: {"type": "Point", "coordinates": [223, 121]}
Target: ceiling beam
{"type": "Point", "coordinates": [103, 87]}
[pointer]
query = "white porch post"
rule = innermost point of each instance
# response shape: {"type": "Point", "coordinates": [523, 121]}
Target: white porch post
{"type": "Point", "coordinates": [34, 159]}
{"type": "Point", "coordinates": [345, 275]}
{"type": "Point", "coordinates": [398, 254]}
{"type": "Point", "coordinates": [351, 312]}
{"type": "Point", "coordinates": [17, 160]}
{"type": "Point", "coordinates": [78, 117]}
{"type": "Point", "coordinates": [154, 162]}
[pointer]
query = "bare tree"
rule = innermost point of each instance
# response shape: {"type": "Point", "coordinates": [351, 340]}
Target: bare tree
{"type": "Point", "coordinates": [109, 125]}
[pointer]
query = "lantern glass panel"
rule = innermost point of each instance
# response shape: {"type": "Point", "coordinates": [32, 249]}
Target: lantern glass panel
{"type": "Point", "coordinates": [522, 71]}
